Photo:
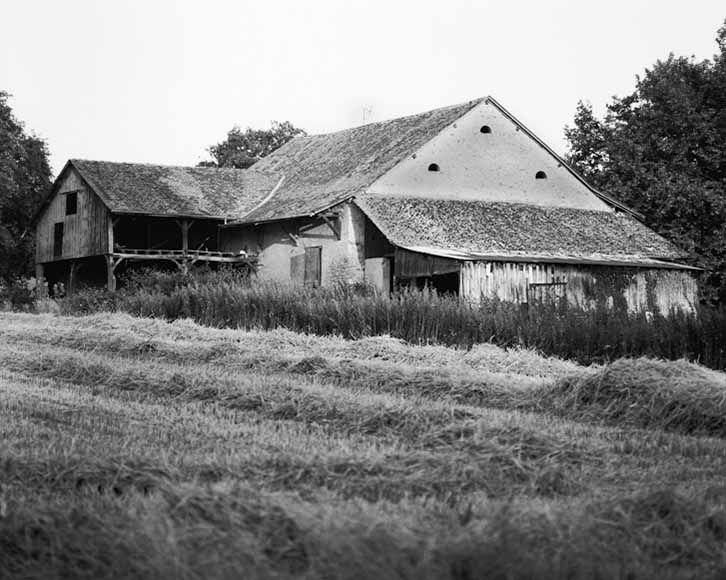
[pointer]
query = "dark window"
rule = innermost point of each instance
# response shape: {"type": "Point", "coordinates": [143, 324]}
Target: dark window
{"type": "Point", "coordinates": [540, 175]}
{"type": "Point", "coordinates": [434, 167]}
{"type": "Point", "coordinates": [485, 129]}
{"type": "Point", "coordinates": [58, 240]}
{"type": "Point", "coordinates": [71, 203]}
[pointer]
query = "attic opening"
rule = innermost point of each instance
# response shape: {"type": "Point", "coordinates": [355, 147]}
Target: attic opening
{"type": "Point", "coordinates": [72, 203]}
{"type": "Point", "coordinates": [540, 175]}
{"type": "Point", "coordinates": [485, 129]}
{"type": "Point", "coordinates": [434, 167]}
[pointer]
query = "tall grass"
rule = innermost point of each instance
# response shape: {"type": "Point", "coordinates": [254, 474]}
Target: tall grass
{"type": "Point", "coordinates": [419, 317]}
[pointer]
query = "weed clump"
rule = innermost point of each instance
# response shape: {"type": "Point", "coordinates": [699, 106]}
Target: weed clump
{"type": "Point", "coordinates": [674, 396]}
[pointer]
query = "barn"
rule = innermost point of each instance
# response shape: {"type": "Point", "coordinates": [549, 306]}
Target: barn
{"type": "Point", "coordinates": [464, 199]}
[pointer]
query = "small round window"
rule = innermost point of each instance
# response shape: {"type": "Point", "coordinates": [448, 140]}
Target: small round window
{"type": "Point", "coordinates": [485, 129]}
{"type": "Point", "coordinates": [434, 167]}
{"type": "Point", "coordinates": [540, 175]}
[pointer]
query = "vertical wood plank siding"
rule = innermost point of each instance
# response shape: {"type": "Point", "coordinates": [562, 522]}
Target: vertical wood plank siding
{"type": "Point", "coordinates": [638, 289]}
{"type": "Point", "coordinates": [85, 233]}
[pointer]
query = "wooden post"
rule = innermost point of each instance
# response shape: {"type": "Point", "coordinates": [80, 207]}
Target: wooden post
{"type": "Point", "coordinates": [185, 225]}
{"type": "Point", "coordinates": [39, 272]}
{"type": "Point", "coordinates": [110, 223]}
{"type": "Point", "coordinates": [72, 271]}
{"type": "Point", "coordinates": [111, 280]}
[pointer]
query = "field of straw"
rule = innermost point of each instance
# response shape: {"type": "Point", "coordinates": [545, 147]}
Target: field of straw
{"type": "Point", "coordinates": [138, 448]}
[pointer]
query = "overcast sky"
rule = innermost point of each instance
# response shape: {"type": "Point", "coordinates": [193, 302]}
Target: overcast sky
{"type": "Point", "coordinates": [158, 81]}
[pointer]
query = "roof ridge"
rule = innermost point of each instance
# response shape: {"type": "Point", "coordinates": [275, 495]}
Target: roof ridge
{"type": "Point", "coordinates": [157, 165]}
{"type": "Point", "coordinates": [472, 102]}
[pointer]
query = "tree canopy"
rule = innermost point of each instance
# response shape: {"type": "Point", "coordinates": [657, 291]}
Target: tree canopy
{"type": "Point", "coordinates": [662, 151]}
{"type": "Point", "coordinates": [25, 179]}
{"type": "Point", "coordinates": [241, 149]}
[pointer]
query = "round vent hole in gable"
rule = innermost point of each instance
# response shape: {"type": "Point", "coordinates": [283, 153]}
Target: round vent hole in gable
{"type": "Point", "coordinates": [434, 167]}
{"type": "Point", "coordinates": [540, 175]}
{"type": "Point", "coordinates": [485, 129]}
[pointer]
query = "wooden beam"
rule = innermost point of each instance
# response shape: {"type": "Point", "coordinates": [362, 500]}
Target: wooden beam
{"type": "Point", "coordinates": [331, 225]}
{"type": "Point", "coordinates": [295, 239]}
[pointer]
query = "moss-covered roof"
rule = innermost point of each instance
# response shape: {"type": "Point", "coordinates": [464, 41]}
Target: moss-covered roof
{"type": "Point", "coordinates": [175, 191]}
{"type": "Point", "coordinates": [321, 170]}
{"type": "Point", "coordinates": [477, 229]}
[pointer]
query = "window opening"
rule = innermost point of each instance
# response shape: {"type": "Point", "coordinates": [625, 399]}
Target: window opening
{"type": "Point", "coordinates": [434, 167]}
{"type": "Point", "coordinates": [71, 203]}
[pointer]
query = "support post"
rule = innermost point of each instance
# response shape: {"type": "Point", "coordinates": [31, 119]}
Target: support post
{"type": "Point", "coordinates": [72, 271]}
{"type": "Point", "coordinates": [110, 267]}
{"type": "Point", "coordinates": [39, 272]}
{"type": "Point", "coordinates": [185, 225]}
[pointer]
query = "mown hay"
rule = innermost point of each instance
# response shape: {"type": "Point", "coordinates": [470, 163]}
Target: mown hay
{"type": "Point", "coordinates": [675, 396]}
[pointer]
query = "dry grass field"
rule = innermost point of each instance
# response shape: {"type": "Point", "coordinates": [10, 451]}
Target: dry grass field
{"type": "Point", "coordinates": [136, 448]}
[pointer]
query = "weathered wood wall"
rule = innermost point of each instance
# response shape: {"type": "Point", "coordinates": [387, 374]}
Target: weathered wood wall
{"type": "Point", "coordinates": [637, 289]}
{"type": "Point", "coordinates": [84, 234]}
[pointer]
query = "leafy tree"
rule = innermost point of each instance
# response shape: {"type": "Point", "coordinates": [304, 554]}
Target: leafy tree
{"type": "Point", "coordinates": [662, 150]}
{"type": "Point", "coordinates": [25, 179]}
{"type": "Point", "coordinates": [242, 149]}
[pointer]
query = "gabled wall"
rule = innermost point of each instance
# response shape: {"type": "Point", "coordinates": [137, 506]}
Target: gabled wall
{"type": "Point", "coordinates": [280, 246]}
{"type": "Point", "coordinates": [497, 166]}
{"type": "Point", "coordinates": [84, 234]}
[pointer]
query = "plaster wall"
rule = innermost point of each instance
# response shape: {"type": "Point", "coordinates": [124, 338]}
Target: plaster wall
{"type": "Point", "coordinates": [278, 243]}
{"type": "Point", "coordinates": [498, 166]}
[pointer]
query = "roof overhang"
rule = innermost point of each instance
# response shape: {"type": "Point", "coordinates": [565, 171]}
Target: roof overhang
{"type": "Point", "coordinates": [253, 222]}
{"type": "Point", "coordinates": [619, 261]}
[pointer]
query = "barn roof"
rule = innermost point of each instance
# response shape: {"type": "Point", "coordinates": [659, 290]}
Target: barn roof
{"type": "Point", "coordinates": [175, 191]}
{"type": "Point", "coordinates": [322, 170]}
{"type": "Point", "coordinates": [496, 230]}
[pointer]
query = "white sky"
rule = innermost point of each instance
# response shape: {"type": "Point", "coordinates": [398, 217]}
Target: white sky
{"type": "Point", "coordinates": [158, 81]}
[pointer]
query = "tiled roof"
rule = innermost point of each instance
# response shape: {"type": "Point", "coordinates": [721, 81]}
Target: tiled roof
{"type": "Point", "coordinates": [479, 229]}
{"type": "Point", "coordinates": [321, 170]}
{"type": "Point", "coordinates": [175, 191]}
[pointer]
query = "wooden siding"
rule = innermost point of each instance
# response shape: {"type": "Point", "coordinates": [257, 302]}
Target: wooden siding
{"type": "Point", "coordinates": [85, 233]}
{"type": "Point", "coordinates": [637, 289]}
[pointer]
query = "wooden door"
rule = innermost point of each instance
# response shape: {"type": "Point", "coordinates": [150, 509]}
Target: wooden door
{"type": "Point", "coordinates": [313, 266]}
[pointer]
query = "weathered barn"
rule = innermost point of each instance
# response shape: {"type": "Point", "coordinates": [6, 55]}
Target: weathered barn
{"type": "Point", "coordinates": [100, 215]}
{"type": "Point", "coordinates": [464, 199]}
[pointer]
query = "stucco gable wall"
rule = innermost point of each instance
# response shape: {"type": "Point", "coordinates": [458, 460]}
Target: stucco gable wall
{"type": "Point", "coordinates": [499, 166]}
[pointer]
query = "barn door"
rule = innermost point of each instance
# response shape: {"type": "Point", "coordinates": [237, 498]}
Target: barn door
{"type": "Point", "coordinates": [313, 266]}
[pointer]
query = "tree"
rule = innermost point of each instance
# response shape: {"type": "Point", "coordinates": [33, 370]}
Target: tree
{"type": "Point", "coordinates": [25, 179]}
{"type": "Point", "coordinates": [662, 151]}
{"type": "Point", "coordinates": [242, 149]}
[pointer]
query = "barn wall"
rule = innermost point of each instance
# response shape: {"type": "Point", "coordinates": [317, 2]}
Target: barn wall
{"type": "Point", "coordinates": [636, 289]}
{"type": "Point", "coordinates": [84, 234]}
{"type": "Point", "coordinates": [342, 260]}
